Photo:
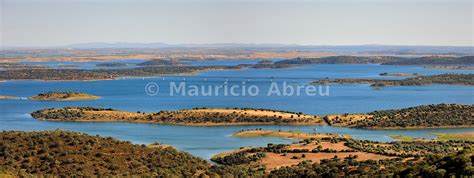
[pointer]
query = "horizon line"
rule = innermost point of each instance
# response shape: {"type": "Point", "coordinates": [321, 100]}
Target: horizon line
{"type": "Point", "coordinates": [223, 44]}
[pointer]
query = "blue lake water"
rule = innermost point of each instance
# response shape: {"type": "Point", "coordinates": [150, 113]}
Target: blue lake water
{"type": "Point", "coordinates": [130, 95]}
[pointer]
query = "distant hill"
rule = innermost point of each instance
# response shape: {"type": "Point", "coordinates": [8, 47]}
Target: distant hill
{"type": "Point", "coordinates": [384, 60]}
{"type": "Point", "coordinates": [395, 49]}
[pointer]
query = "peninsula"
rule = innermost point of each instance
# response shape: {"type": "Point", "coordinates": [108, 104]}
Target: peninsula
{"type": "Point", "coordinates": [69, 153]}
{"type": "Point", "coordinates": [428, 116]}
{"type": "Point", "coordinates": [383, 60]}
{"type": "Point", "coordinates": [455, 67]}
{"type": "Point", "coordinates": [444, 79]}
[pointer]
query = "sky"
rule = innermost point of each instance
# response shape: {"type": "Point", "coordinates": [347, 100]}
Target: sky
{"type": "Point", "coordinates": [303, 22]}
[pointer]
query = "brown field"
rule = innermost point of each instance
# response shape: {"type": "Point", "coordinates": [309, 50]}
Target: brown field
{"type": "Point", "coordinates": [335, 146]}
{"type": "Point", "coordinates": [292, 154]}
{"type": "Point", "coordinates": [253, 112]}
{"type": "Point", "coordinates": [274, 161]}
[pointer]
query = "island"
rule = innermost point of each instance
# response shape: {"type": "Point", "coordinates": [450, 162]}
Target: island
{"type": "Point", "coordinates": [7, 97]}
{"type": "Point", "coordinates": [194, 117]}
{"type": "Point", "coordinates": [64, 96]}
{"type": "Point", "coordinates": [68, 66]}
{"type": "Point", "coordinates": [111, 64]}
{"type": "Point", "coordinates": [162, 62]}
{"type": "Point", "coordinates": [268, 64]}
{"type": "Point", "coordinates": [398, 74]}
{"type": "Point", "coordinates": [427, 116]}
{"type": "Point", "coordinates": [443, 79]}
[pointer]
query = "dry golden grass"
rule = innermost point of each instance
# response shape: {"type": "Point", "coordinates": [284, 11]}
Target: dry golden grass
{"type": "Point", "coordinates": [255, 112]}
{"type": "Point", "coordinates": [281, 134]}
{"type": "Point", "coordinates": [274, 161]}
{"type": "Point", "coordinates": [292, 154]}
{"type": "Point", "coordinates": [7, 97]}
{"type": "Point", "coordinates": [467, 136]}
{"type": "Point", "coordinates": [194, 117]}
{"type": "Point", "coordinates": [325, 145]}
{"type": "Point", "coordinates": [346, 119]}
{"type": "Point", "coordinates": [60, 96]}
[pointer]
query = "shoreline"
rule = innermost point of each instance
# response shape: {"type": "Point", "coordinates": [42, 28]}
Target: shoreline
{"type": "Point", "coordinates": [186, 124]}
{"type": "Point", "coordinates": [256, 124]}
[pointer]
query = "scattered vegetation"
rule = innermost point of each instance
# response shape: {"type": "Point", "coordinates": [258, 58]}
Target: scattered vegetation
{"type": "Point", "coordinates": [467, 136]}
{"type": "Point", "coordinates": [15, 66]}
{"type": "Point", "coordinates": [162, 62]}
{"type": "Point", "coordinates": [439, 115]}
{"type": "Point", "coordinates": [402, 137]}
{"type": "Point", "coordinates": [68, 66]}
{"type": "Point", "coordinates": [456, 67]}
{"type": "Point", "coordinates": [456, 164]}
{"type": "Point", "coordinates": [102, 74]}
{"type": "Point", "coordinates": [446, 79]}
{"type": "Point", "coordinates": [436, 115]}
{"type": "Point", "coordinates": [384, 60]}
{"type": "Point", "coordinates": [339, 156]}
{"type": "Point", "coordinates": [398, 74]}
{"type": "Point", "coordinates": [64, 153]}
{"type": "Point", "coordinates": [407, 149]}
{"type": "Point", "coordinates": [196, 116]}
{"type": "Point", "coordinates": [64, 96]}
{"type": "Point", "coordinates": [267, 65]}
{"type": "Point", "coordinates": [111, 64]}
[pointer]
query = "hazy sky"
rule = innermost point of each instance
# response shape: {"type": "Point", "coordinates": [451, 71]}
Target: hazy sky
{"type": "Point", "coordinates": [316, 22]}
